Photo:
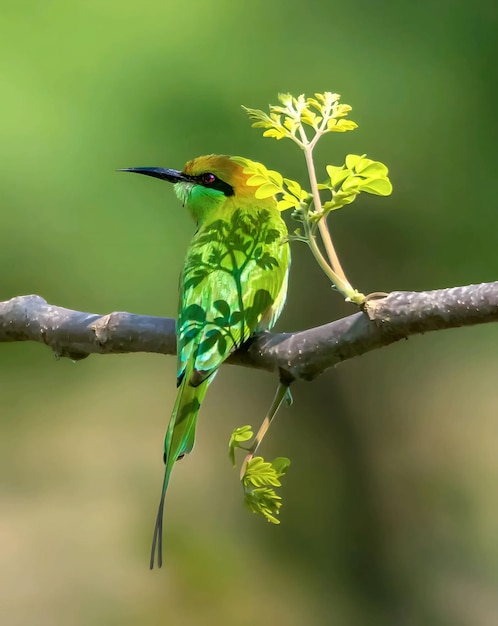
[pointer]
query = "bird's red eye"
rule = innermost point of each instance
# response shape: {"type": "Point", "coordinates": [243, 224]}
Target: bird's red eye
{"type": "Point", "coordinates": [208, 178]}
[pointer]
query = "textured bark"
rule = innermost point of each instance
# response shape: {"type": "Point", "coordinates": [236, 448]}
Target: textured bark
{"type": "Point", "coordinates": [299, 355]}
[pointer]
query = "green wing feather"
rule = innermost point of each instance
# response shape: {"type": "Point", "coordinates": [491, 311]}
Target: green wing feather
{"type": "Point", "coordinates": [234, 282]}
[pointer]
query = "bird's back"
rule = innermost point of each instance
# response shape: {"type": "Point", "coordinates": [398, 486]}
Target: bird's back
{"type": "Point", "coordinates": [234, 282]}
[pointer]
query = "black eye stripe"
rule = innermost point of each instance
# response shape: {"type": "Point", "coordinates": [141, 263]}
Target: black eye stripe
{"type": "Point", "coordinates": [211, 181]}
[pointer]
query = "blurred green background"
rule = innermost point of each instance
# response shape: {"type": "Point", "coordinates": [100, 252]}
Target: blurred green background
{"type": "Point", "coordinates": [390, 508]}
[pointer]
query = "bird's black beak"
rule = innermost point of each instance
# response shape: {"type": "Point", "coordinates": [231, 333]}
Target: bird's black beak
{"type": "Point", "coordinates": [172, 176]}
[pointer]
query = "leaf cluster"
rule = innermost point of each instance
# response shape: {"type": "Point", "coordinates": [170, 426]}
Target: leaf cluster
{"type": "Point", "coordinates": [271, 183]}
{"type": "Point", "coordinates": [259, 482]}
{"type": "Point", "coordinates": [356, 175]}
{"type": "Point", "coordinates": [323, 113]}
{"type": "Point", "coordinates": [237, 438]}
{"type": "Point", "coordinates": [304, 121]}
{"type": "Point", "coordinates": [260, 477]}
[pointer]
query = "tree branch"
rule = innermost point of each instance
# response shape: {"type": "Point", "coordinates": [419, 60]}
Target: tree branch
{"type": "Point", "coordinates": [296, 356]}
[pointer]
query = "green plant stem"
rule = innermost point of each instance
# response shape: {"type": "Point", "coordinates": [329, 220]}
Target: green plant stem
{"type": "Point", "coordinates": [322, 225]}
{"type": "Point", "coordinates": [343, 285]}
{"type": "Point", "coordinates": [281, 394]}
{"type": "Point", "coordinates": [334, 270]}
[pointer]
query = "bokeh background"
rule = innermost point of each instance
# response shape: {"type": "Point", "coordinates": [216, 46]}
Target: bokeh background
{"type": "Point", "coordinates": [390, 507]}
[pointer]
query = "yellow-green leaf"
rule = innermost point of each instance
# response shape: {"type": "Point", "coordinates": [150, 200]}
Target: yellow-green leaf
{"type": "Point", "coordinates": [275, 177]}
{"type": "Point", "coordinates": [293, 186]}
{"type": "Point", "coordinates": [255, 113]}
{"type": "Point", "coordinates": [310, 118]}
{"type": "Point", "coordinates": [284, 205]}
{"type": "Point", "coordinates": [277, 133]}
{"type": "Point", "coordinates": [285, 98]}
{"type": "Point", "coordinates": [267, 190]}
{"type": "Point", "coordinates": [377, 186]}
{"type": "Point", "coordinates": [341, 110]}
{"type": "Point", "coordinates": [372, 169]}
{"type": "Point", "coordinates": [361, 164]}
{"type": "Point", "coordinates": [341, 125]}
{"type": "Point", "coordinates": [351, 183]}
{"type": "Point", "coordinates": [267, 124]}
{"type": "Point", "coordinates": [340, 199]}
{"type": "Point", "coordinates": [331, 205]}
{"type": "Point", "coordinates": [239, 435]}
{"type": "Point", "coordinates": [337, 175]}
{"type": "Point", "coordinates": [299, 102]}
{"type": "Point", "coordinates": [277, 109]}
{"type": "Point", "coordinates": [250, 167]}
{"type": "Point", "coordinates": [314, 103]}
{"type": "Point", "coordinates": [281, 465]}
{"type": "Point", "coordinates": [352, 161]}
{"type": "Point", "coordinates": [257, 179]}
{"type": "Point", "coordinates": [290, 124]}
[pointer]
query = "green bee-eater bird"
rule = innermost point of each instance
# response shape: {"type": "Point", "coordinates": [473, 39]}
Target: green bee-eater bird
{"type": "Point", "coordinates": [233, 284]}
